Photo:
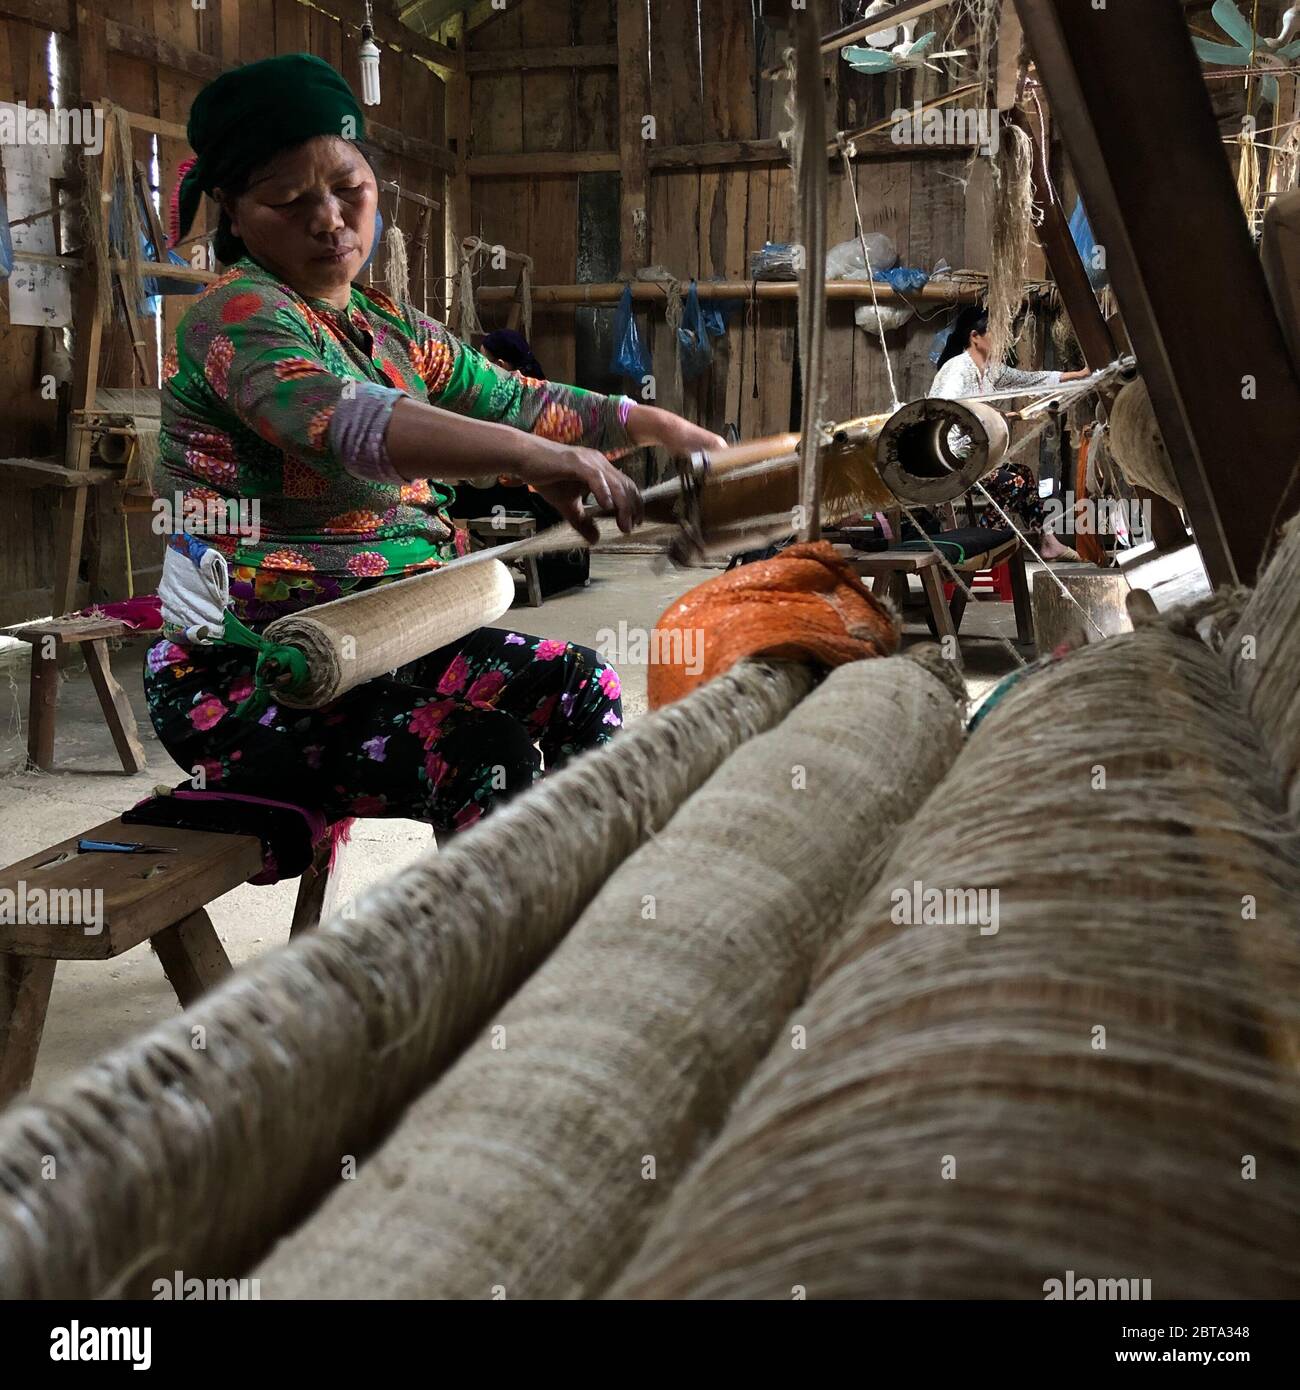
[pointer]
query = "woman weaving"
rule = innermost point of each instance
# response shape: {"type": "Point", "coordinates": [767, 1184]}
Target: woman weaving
{"type": "Point", "coordinates": [967, 370]}
{"type": "Point", "coordinates": [333, 410]}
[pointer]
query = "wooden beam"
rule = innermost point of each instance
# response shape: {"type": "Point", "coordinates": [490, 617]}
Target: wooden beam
{"type": "Point", "coordinates": [877, 145]}
{"type": "Point", "coordinates": [459, 221]}
{"type": "Point", "coordinates": [1162, 201]}
{"type": "Point", "coordinates": [389, 30]}
{"type": "Point", "coordinates": [410, 146]}
{"type": "Point", "coordinates": [49, 14]}
{"type": "Point", "coordinates": [1063, 260]}
{"type": "Point", "coordinates": [851, 33]}
{"type": "Point", "coordinates": [633, 148]}
{"type": "Point", "coordinates": [488, 166]}
{"type": "Point", "coordinates": [160, 52]}
{"type": "Point", "coordinates": [592, 55]}
{"type": "Point", "coordinates": [647, 292]}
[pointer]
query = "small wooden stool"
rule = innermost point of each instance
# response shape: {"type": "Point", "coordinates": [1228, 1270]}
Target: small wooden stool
{"type": "Point", "coordinates": [93, 635]}
{"type": "Point", "coordinates": [889, 569]}
{"type": "Point", "coordinates": [512, 526]}
{"type": "Point", "coordinates": [159, 898]}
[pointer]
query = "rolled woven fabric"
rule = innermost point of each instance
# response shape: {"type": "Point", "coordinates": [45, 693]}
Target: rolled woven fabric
{"type": "Point", "coordinates": [1264, 656]}
{"type": "Point", "coordinates": [1137, 445]}
{"type": "Point", "coordinates": [354, 639]}
{"type": "Point", "coordinates": [1086, 1087]}
{"type": "Point", "coordinates": [196, 1144]}
{"type": "Point", "coordinates": [805, 604]}
{"type": "Point", "coordinates": [534, 1166]}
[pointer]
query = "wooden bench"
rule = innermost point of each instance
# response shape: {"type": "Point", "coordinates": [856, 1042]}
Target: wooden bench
{"type": "Point", "coordinates": [48, 641]}
{"type": "Point", "coordinates": [890, 569]}
{"type": "Point", "coordinates": [501, 530]}
{"type": "Point", "coordinates": [159, 898]}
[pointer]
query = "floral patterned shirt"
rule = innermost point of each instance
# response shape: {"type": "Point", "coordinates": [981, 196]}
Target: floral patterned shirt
{"type": "Point", "coordinates": [250, 389]}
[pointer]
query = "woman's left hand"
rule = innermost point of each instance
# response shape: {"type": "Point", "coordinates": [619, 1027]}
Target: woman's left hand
{"type": "Point", "coordinates": [647, 424]}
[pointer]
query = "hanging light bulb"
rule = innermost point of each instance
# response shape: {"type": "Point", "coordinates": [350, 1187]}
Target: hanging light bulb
{"type": "Point", "coordinates": [369, 62]}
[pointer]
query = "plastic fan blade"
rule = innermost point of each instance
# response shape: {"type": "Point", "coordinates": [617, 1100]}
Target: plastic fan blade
{"type": "Point", "coordinates": [1220, 52]}
{"type": "Point", "coordinates": [1291, 50]}
{"type": "Point", "coordinates": [872, 61]}
{"type": "Point", "coordinates": [1268, 90]}
{"type": "Point", "coordinates": [922, 44]}
{"type": "Point", "coordinates": [1233, 23]}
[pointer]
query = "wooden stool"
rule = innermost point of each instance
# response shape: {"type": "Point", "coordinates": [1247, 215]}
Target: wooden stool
{"type": "Point", "coordinates": [512, 526]}
{"type": "Point", "coordinates": [889, 569]}
{"type": "Point", "coordinates": [48, 640]}
{"type": "Point", "coordinates": [159, 898]}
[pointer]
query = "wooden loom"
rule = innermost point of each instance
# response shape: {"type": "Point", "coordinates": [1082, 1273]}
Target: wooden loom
{"type": "Point", "coordinates": [687, 1044]}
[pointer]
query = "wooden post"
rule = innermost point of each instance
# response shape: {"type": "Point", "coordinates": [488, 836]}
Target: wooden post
{"type": "Point", "coordinates": [192, 956]}
{"type": "Point", "coordinates": [25, 984]}
{"type": "Point", "coordinates": [633, 148]}
{"type": "Point", "coordinates": [459, 221]}
{"type": "Point", "coordinates": [1161, 198]}
{"type": "Point", "coordinates": [90, 70]}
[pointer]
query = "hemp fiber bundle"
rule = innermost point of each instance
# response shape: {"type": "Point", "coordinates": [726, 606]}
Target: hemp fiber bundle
{"type": "Point", "coordinates": [195, 1145]}
{"type": "Point", "coordinates": [1137, 445]}
{"type": "Point", "coordinates": [1264, 653]}
{"type": "Point", "coordinates": [1105, 1084]}
{"type": "Point", "coordinates": [354, 639]}
{"type": "Point", "coordinates": [536, 1162]}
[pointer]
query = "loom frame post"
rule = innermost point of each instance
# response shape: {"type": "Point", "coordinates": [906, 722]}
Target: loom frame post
{"type": "Point", "coordinates": [1161, 197]}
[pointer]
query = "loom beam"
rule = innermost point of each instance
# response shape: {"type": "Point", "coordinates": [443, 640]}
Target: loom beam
{"type": "Point", "coordinates": [1161, 197]}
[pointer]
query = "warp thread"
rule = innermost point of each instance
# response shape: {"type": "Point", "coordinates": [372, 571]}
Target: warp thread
{"type": "Point", "coordinates": [170, 1157]}
{"type": "Point", "coordinates": [1106, 1083]}
{"type": "Point", "coordinates": [525, 1166]}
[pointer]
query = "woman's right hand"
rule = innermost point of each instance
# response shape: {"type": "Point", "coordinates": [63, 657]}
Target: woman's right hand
{"type": "Point", "coordinates": [563, 474]}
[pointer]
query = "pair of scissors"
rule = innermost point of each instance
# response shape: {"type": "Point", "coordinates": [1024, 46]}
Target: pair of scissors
{"type": "Point", "coordinates": [122, 847]}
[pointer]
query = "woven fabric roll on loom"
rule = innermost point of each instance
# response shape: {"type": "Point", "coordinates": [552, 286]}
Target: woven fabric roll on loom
{"type": "Point", "coordinates": [176, 1157]}
{"type": "Point", "coordinates": [352, 640]}
{"type": "Point", "coordinates": [535, 1164]}
{"type": "Point", "coordinates": [1095, 1074]}
{"type": "Point", "coordinates": [1264, 656]}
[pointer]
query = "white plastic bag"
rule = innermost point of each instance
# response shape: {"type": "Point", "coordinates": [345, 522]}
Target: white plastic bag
{"type": "Point", "coordinates": [845, 261]}
{"type": "Point", "coordinates": [882, 320]}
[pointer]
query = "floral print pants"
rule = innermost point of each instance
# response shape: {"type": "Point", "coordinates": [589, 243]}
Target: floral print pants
{"type": "Point", "coordinates": [442, 740]}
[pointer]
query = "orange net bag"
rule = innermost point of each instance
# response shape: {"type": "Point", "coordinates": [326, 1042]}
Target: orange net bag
{"type": "Point", "coordinates": [806, 604]}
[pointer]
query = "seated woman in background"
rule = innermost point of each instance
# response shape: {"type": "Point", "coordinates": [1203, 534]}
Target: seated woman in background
{"type": "Point", "coordinates": [557, 570]}
{"type": "Point", "coordinates": [336, 414]}
{"type": "Point", "coordinates": [966, 370]}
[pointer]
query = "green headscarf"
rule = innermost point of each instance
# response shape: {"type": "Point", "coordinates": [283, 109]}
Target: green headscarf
{"type": "Point", "coordinates": [245, 116]}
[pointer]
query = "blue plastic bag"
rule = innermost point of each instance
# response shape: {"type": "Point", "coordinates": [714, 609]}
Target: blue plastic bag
{"type": "Point", "coordinates": [6, 244]}
{"type": "Point", "coordinates": [693, 338]}
{"type": "Point", "coordinates": [903, 278]}
{"type": "Point", "coordinates": [939, 342]}
{"type": "Point", "coordinates": [1086, 244]}
{"type": "Point", "coordinates": [630, 356]}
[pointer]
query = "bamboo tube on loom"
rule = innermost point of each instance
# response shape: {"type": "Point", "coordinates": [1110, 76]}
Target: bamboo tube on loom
{"type": "Point", "coordinates": [525, 1168]}
{"type": "Point", "coordinates": [171, 1157]}
{"type": "Point", "coordinates": [1105, 1085]}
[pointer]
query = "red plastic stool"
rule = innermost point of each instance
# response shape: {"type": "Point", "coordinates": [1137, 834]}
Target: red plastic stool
{"type": "Point", "coordinates": [994, 581]}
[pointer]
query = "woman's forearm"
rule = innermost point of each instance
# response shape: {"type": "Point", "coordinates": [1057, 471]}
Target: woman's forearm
{"type": "Point", "coordinates": [425, 441]}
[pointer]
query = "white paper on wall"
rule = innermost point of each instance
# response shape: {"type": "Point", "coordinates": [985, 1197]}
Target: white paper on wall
{"type": "Point", "coordinates": [39, 295]}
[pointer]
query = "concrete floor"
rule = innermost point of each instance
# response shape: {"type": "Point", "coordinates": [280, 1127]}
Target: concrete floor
{"type": "Point", "coordinates": [96, 1005]}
